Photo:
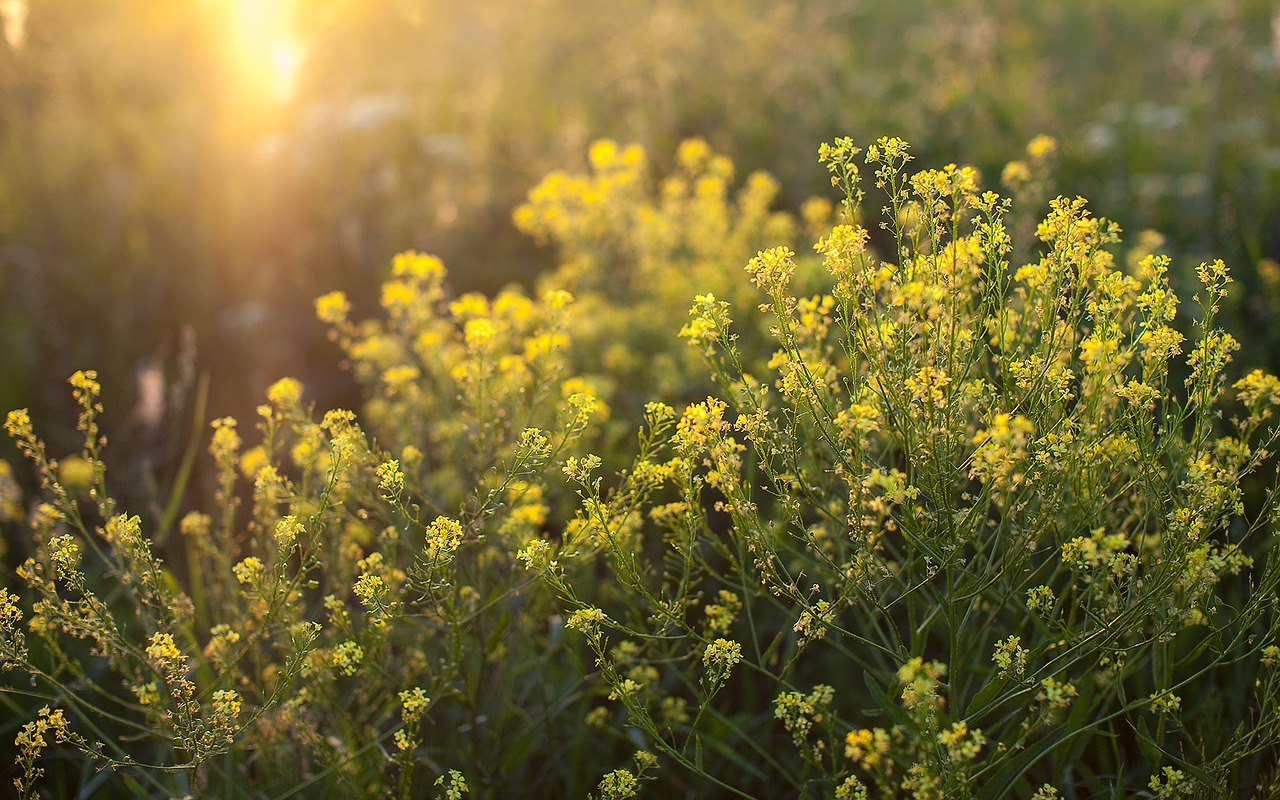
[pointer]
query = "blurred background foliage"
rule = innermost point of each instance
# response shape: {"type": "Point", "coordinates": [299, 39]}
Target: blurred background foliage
{"type": "Point", "coordinates": [180, 178]}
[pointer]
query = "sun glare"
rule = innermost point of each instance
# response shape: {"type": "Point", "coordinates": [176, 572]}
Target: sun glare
{"type": "Point", "coordinates": [14, 15]}
{"type": "Point", "coordinates": [285, 57]}
{"type": "Point", "coordinates": [267, 50]}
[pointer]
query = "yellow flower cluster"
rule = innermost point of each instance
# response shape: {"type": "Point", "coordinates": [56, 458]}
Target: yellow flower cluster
{"type": "Point", "coordinates": [333, 308]}
{"type": "Point", "coordinates": [1002, 447]}
{"type": "Point", "coordinates": [619, 784]}
{"type": "Point", "coordinates": [719, 658]}
{"type": "Point", "coordinates": [961, 742]}
{"type": "Point", "coordinates": [285, 394]}
{"type": "Point", "coordinates": [921, 683]}
{"type": "Point", "coordinates": [1010, 657]}
{"type": "Point", "coordinates": [222, 640]}
{"type": "Point", "coordinates": [225, 443]}
{"type": "Point", "coordinates": [772, 270]}
{"type": "Point", "coordinates": [31, 742]}
{"type": "Point", "coordinates": [12, 641]}
{"type": "Point", "coordinates": [868, 747]}
{"type": "Point", "coordinates": [720, 615]}
{"type": "Point", "coordinates": [1259, 392]}
{"type": "Point", "coordinates": [347, 657]}
{"type": "Point", "coordinates": [455, 786]}
{"type": "Point", "coordinates": [226, 704]}
{"type": "Point", "coordinates": [1056, 696]}
{"type": "Point", "coordinates": [587, 621]}
{"type": "Point", "coordinates": [287, 531]}
{"type": "Point", "coordinates": [413, 703]}
{"type": "Point", "coordinates": [444, 535]}
{"type": "Point", "coordinates": [163, 653]}
{"type": "Point", "coordinates": [800, 712]}
{"type": "Point", "coordinates": [249, 570]}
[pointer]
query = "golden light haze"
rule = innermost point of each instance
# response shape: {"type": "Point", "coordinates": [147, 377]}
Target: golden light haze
{"type": "Point", "coordinates": [264, 49]}
{"type": "Point", "coordinates": [13, 13]}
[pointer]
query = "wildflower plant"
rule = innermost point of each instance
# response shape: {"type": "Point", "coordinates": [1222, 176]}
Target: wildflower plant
{"type": "Point", "coordinates": [635, 249]}
{"type": "Point", "coordinates": [950, 513]}
{"type": "Point", "coordinates": [982, 537]}
{"type": "Point", "coordinates": [350, 595]}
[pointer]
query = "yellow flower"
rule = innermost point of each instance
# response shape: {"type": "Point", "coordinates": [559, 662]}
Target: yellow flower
{"type": "Point", "coordinates": [411, 455]}
{"type": "Point", "coordinates": [221, 639]}
{"type": "Point", "coordinates": [147, 693]}
{"type": "Point", "coordinates": [253, 461]}
{"type": "Point", "coordinates": [1010, 657]}
{"type": "Point", "coordinates": [285, 393]}
{"type": "Point", "coordinates": [397, 297]}
{"type": "Point", "coordinates": [1165, 702]}
{"type": "Point", "coordinates": [248, 570]}
{"type": "Point", "coordinates": [225, 440]}
{"type": "Point", "coordinates": [417, 265]}
{"type": "Point", "coordinates": [1258, 391]}
{"type": "Point", "coordinates": [530, 514]}
{"type": "Point", "coordinates": [65, 553]}
{"type": "Point", "coordinates": [556, 299]}
{"type": "Point", "coordinates": [162, 649]}
{"type": "Point", "coordinates": [693, 153]}
{"type": "Point", "coordinates": [603, 154]}
{"type": "Point", "coordinates": [513, 307]}
{"type": "Point", "coordinates": [443, 536]}
{"type": "Point", "coordinates": [333, 308]}
{"type": "Point", "coordinates": [536, 554]}
{"type": "Point", "coordinates": [469, 306]}
{"type": "Point", "coordinates": [856, 743]}
{"type": "Point", "coordinates": [390, 478]}
{"type": "Point", "coordinates": [1056, 696]}
{"type": "Point", "coordinates": [1042, 147]}
{"type": "Point", "coordinates": [582, 400]}
{"type": "Point", "coordinates": [1141, 395]}
{"type": "Point", "coordinates": [85, 382]}
{"type": "Point", "coordinates": [479, 333]}
{"type": "Point", "coordinates": [76, 474]}
{"type": "Point", "coordinates": [347, 657]}
{"type": "Point", "coordinates": [721, 655]}
{"type": "Point", "coordinates": [413, 703]}
{"type": "Point", "coordinates": [927, 384]}
{"type": "Point", "coordinates": [1015, 174]}
{"type": "Point", "coordinates": [370, 589]}
{"type": "Point", "coordinates": [962, 744]}
{"type": "Point", "coordinates": [587, 620]}
{"type": "Point", "coordinates": [226, 703]}
{"type": "Point", "coordinates": [772, 269]}
{"type": "Point", "coordinates": [18, 423]}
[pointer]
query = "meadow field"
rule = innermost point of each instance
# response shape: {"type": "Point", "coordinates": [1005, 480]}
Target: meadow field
{"type": "Point", "coordinates": [708, 399]}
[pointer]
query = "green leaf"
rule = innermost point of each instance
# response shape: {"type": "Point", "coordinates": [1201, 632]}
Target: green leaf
{"type": "Point", "coordinates": [1150, 748]}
